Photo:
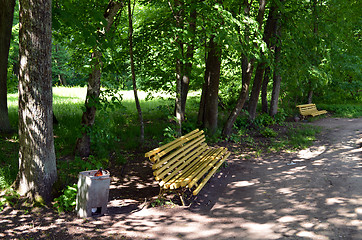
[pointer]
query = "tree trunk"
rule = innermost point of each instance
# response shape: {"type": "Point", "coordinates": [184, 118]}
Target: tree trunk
{"type": "Point", "coordinates": [276, 75]}
{"type": "Point", "coordinates": [246, 77]}
{"type": "Point", "coordinates": [258, 79]}
{"type": "Point", "coordinates": [247, 71]}
{"type": "Point", "coordinates": [138, 106]}
{"type": "Point", "coordinates": [188, 65]}
{"type": "Point", "coordinates": [37, 163]}
{"type": "Point", "coordinates": [6, 20]}
{"type": "Point", "coordinates": [211, 87]}
{"type": "Point", "coordinates": [61, 78]}
{"type": "Point", "coordinates": [310, 94]}
{"type": "Point", "coordinates": [254, 97]}
{"type": "Point", "coordinates": [264, 91]}
{"type": "Point", "coordinates": [83, 145]}
{"type": "Point", "coordinates": [179, 18]}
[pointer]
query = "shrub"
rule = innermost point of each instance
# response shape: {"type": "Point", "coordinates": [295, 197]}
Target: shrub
{"type": "Point", "coordinates": [67, 201]}
{"type": "Point", "coordinates": [268, 132]}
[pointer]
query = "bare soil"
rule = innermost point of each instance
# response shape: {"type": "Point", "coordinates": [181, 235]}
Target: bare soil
{"type": "Point", "coordinates": [315, 193]}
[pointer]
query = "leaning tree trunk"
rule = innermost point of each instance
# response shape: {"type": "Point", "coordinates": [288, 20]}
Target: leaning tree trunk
{"type": "Point", "coordinates": [247, 71]}
{"type": "Point", "coordinates": [83, 145]}
{"type": "Point", "coordinates": [254, 97]}
{"type": "Point", "coordinates": [6, 20]}
{"type": "Point", "coordinates": [260, 69]}
{"type": "Point", "coordinates": [37, 163]}
{"type": "Point", "coordinates": [211, 88]}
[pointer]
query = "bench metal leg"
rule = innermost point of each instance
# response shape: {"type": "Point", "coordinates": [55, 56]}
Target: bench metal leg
{"type": "Point", "coordinates": [181, 198]}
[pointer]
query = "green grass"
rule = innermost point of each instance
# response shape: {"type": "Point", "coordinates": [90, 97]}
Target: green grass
{"type": "Point", "coordinates": [350, 110]}
{"type": "Point", "coordinates": [302, 136]}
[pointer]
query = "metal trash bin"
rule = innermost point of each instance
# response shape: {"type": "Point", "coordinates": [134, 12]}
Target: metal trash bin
{"type": "Point", "coordinates": [92, 196]}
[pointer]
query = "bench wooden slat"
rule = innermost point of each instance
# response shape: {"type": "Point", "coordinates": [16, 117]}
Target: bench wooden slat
{"type": "Point", "coordinates": [310, 109]}
{"type": "Point", "coordinates": [180, 152]}
{"type": "Point", "coordinates": [215, 168]}
{"type": "Point", "coordinates": [172, 164]}
{"type": "Point", "coordinates": [183, 166]}
{"type": "Point", "coordinates": [215, 159]}
{"type": "Point", "coordinates": [158, 155]}
{"type": "Point", "coordinates": [175, 181]}
{"type": "Point", "coordinates": [191, 173]}
{"type": "Point", "coordinates": [186, 162]}
{"type": "Point", "coordinates": [159, 149]}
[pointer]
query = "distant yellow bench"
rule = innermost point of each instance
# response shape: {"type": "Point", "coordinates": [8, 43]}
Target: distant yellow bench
{"type": "Point", "coordinates": [310, 109]}
{"type": "Point", "coordinates": [186, 162]}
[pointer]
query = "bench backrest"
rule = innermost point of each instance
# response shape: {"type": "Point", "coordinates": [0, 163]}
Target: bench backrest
{"type": "Point", "coordinates": [178, 154]}
{"type": "Point", "coordinates": [169, 150]}
{"type": "Point", "coordinates": [305, 108]}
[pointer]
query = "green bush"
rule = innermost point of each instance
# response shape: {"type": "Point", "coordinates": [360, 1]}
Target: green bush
{"type": "Point", "coordinates": [264, 120]}
{"type": "Point", "coordinates": [268, 132]}
{"type": "Point", "coordinates": [67, 201]}
{"type": "Point", "coordinates": [343, 110]}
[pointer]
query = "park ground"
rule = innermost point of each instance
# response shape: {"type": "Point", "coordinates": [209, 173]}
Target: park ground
{"type": "Point", "coordinates": [314, 193]}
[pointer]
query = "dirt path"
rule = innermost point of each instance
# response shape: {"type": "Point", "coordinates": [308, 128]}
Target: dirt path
{"type": "Point", "coordinates": [312, 194]}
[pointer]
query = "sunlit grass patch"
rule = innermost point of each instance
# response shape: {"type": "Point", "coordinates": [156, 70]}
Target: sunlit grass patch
{"type": "Point", "coordinates": [302, 136]}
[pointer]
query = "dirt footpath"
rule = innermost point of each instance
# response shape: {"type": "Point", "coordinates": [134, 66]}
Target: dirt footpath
{"type": "Point", "coordinates": [315, 193]}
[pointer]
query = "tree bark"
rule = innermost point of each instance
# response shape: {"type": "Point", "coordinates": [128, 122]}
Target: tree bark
{"type": "Point", "coordinates": [178, 12]}
{"type": "Point", "coordinates": [276, 75]}
{"type": "Point", "coordinates": [83, 145]}
{"type": "Point", "coordinates": [258, 79]}
{"type": "Point", "coordinates": [6, 20]}
{"type": "Point", "coordinates": [209, 105]}
{"type": "Point", "coordinates": [138, 106]}
{"type": "Point", "coordinates": [254, 97]}
{"type": "Point", "coordinates": [247, 71]}
{"type": "Point", "coordinates": [264, 91]}
{"type": "Point", "coordinates": [188, 65]}
{"type": "Point", "coordinates": [37, 163]}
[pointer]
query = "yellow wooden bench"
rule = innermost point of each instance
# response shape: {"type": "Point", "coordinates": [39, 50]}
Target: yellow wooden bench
{"type": "Point", "coordinates": [186, 162]}
{"type": "Point", "coordinates": [310, 109]}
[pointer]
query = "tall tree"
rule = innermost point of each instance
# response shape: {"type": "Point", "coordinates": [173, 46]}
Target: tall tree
{"type": "Point", "coordinates": [277, 78]}
{"type": "Point", "coordinates": [177, 9]}
{"type": "Point", "coordinates": [83, 146]}
{"type": "Point", "coordinates": [259, 72]}
{"type": "Point", "coordinates": [6, 20]}
{"type": "Point", "coordinates": [133, 73]}
{"type": "Point", "coordinates": [187, 66]}
{"type": "Point", "coordinates": [247, 71]}
{"type": "Point", "coordinates": [208, 111]}
{"type": "Point", "coordinates": [37, 163]}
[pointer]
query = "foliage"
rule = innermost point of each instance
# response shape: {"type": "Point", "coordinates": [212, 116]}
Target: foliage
{"type": "Point", "coordinates": [170, 133]}
{"type": "Point", "coordinates": [69, 169]}
{"type": "Point", "coordinates": [8, 160]}
{"type": "Point", "coordinates": [268, 132]}
{"type": "Point", "coordinates": [161, 201]}
{"type": "Point", "coordinates": [8, 197]}
{"type": "Point", "coordinates": [67, 201]}
{"type": "Point", "coordinates": [343, 110]}
{"type": "Point", "coordinates": [264, 120]}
